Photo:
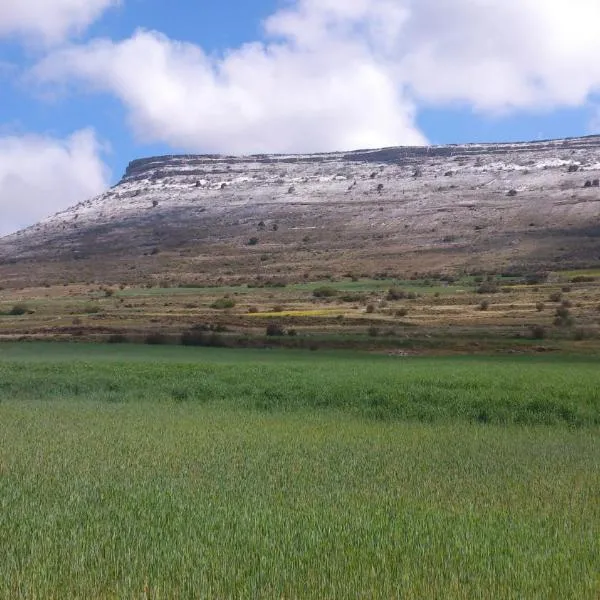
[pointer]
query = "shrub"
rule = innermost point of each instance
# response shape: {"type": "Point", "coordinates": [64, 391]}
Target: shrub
{"type": "Point", "coordinates": [484, 305]}
{"type": "Point", "coordinates": [566, 288]}
{"type": "Point", "coordinates": [540, 306]}
{"type": "Point", "coordinates": [566, 303]}
{"type": "Point", "coordinates": [252, 310]}
{"type": "Point", "coordinates": [275, 330]}
{"type": "Point", "coordinates": [396, 294]}
{"type": "Point", "coordinates": [91, 309]}
{"type": "Point", "coordinates": [402, 312]}
{"type": "Point", "coordinates": [370, 309]}
{"type": "Point", "coordinates": [537, 332]}
{"type": "Point", "coordinates": [583, 279]}
{"type": "Point", "coordinates": [253, 241]}
{"type": "Point", "coordinates": [488, 287]}
{"type": "Point", "coordinates": [223, 304]}
{"type": "Point", "coordinates": [117, 338]}
{"type": "Point", "coordinates": [555, 297]}
{"type": "Point", "coordinates": [563, 317]}
{"type": "Point", "coordinates": [325, 292]}
{"type": "Point", "coordinates": [19, 309]}
{"type": "Point", "coordinates": [373, 331]}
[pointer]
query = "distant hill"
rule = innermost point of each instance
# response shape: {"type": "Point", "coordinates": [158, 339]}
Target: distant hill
{"type": "Point", "coordinates": [187, 219]}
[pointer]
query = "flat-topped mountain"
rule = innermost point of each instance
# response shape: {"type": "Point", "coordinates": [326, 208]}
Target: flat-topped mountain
{"type": "Point", "coordinates": [187, 219]}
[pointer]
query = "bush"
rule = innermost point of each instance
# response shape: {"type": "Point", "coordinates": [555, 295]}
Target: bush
{"type": "Point", "coordinates": [488, 287]}
{"type": "Point", "coordinates": [484, 305]}
{"type": "Point", "coordinates": [325, 292]}
{"type": "Point", "coordinates": [402, 312]}
{"type": "Point", "coordinates": [223, 304]}
{"type": "Point", "coordinates": [540, 306]}
{"type": "Point", "coordinates": [563, 317]}
{"type": "Point", "coordinates": [538, 332]}
{"type": "Point", "coordinates": [253, 241]}
{"type": "Point", "coordinates": [18, 310]}
{"type": "Point", "coordinates": [91, 309]}
{"type": "Point", "coordinates": [583, 279]}
{"type": "Point", "coordinates": [373, 331]}
{"type": "Point", "coordinates": [556, 297]}
{"type": "Point", "coordinates": [275, 330]}
{"type": "Point", "coordinates": [370, 309]}
{"type": "Point", "coordinates": [396, 294]}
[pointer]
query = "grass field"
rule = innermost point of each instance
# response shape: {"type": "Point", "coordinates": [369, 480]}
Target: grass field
{"type": "Point", "coordinates": [492, 314]}
{"type": "Point", "coordinates": [171, 472]}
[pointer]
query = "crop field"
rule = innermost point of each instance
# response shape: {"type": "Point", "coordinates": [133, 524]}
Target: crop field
{"type": "Point", "coordinates": [133, 471]}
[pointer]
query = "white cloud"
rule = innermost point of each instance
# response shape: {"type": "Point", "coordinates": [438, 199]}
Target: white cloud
{"type": "Point", "coordinates": [41, 175]}
{"type": "Point", "coordinates": [49, 21]}
{"type": "Point", "coordinates": [346, 73]}
{"type": "Point", "coordinates": [327, 92]}
{"type": "Point", "coordinates": [500, 55]}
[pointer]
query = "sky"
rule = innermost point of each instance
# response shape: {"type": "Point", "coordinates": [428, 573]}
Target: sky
{"type": "Point", "coordinates": [88, 85]}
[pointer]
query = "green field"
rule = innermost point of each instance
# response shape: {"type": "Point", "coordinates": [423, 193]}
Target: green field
{"type": "Point", "coordinates": [172, 472]}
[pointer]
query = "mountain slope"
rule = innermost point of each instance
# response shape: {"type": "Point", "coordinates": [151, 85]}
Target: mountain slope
{"type": "Point", "coordinates": [397, 210]}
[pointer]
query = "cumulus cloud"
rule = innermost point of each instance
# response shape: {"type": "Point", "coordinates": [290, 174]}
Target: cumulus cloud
{"type": "Point", "coordinates": [41, 175]}
{"type": "Point", "coordinates": [502, 55]}
{"type": "Point", "coordinates": [305, 90]}
{"type": "Point", "coordinates": [49, 21]}
{"type": "Point", "coordinates": [345, 73]}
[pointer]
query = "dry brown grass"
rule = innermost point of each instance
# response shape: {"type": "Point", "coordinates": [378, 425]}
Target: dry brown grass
{"type": "Point", "coordinates": [87, 312]}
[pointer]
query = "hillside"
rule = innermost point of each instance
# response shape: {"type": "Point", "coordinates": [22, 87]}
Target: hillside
{"type": "Point", "coordinates": [196, 219]}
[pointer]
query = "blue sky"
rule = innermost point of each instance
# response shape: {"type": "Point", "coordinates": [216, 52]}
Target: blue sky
{"type": "Point", "coordinates": [88, 85]}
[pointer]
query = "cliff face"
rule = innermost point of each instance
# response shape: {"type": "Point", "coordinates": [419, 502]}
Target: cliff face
{"type": "Point", "coordinates": [398, 210]}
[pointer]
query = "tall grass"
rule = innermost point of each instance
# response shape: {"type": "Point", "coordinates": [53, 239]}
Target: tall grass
{"type": "Point", "coordinates": [174, 472]}
{"type": "Point", "coordinates": [518, 390]}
